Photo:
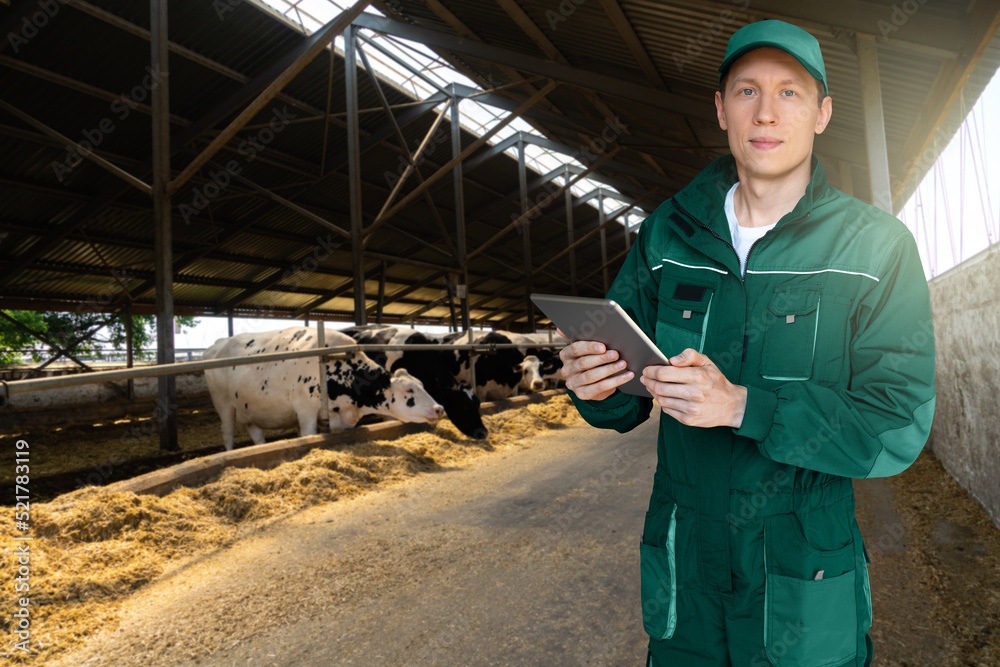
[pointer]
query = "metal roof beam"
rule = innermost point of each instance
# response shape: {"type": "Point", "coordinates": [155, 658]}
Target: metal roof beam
{"type": "Point", "coordinates": [178, 143]}
{"type": "Point", "coordinates": [527, 215]}
{"type": "Point", "coordinates": [508, 104]}
{"type": "Point", "coordinates": [566, 73]}
{"type": "Point", "coordinates": [323, 298]}
{"type": "Point", "coordinates": [618, 165]}
{"type": "Point", "coordinates": [488, 153]}
{"type": "Point", "coordinates": [303, 56]}
{"type": "Point", "coordinates": [614, 11]}
{"type": "Point", "coordinates": [89, 155]}
{"type": "Point", "coordinates": [507, 198]}
{"type": "Point", "coordinates": [468, 150]}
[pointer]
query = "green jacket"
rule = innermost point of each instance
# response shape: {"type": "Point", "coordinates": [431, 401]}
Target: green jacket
{"type": "Point", "coordinates": [830, 331]}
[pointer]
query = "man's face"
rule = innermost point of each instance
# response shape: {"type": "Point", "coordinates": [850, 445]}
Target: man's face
{"type": "Point", "coordinates": [771, 114]}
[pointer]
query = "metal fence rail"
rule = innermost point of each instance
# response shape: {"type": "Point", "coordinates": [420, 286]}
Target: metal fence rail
{"type": "Point", "coordinates": [8, 388]}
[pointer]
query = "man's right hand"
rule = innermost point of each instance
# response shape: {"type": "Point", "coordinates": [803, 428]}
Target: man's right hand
{"type": "Point", "coordinates": [587, 369]}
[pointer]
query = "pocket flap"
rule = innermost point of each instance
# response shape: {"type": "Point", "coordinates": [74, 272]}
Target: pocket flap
{"type": "Point", "coordinates": [797, 302]}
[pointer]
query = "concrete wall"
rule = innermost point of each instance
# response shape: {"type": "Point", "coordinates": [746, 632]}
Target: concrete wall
{"type": "Point", "coordinates": [187, 384]}
{"type": "Point", "coordinates": [966, 431]}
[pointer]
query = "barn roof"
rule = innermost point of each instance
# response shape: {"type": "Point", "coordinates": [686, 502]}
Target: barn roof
{"type": "Point", "coordinates": [633, 103]}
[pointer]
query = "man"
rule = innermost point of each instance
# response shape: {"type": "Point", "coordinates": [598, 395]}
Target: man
{"type": "Point", "coordinates": [788, 311]}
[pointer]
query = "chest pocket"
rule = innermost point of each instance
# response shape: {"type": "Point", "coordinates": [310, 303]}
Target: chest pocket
{"type": "Point", "coordinates": [682, 316]}
{"type": "Point", "coordinates": [792, 323]}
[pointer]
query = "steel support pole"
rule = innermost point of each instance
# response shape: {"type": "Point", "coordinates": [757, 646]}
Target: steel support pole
{"type": "Point", "coordinates": [522, 177]}
{"type": "Point", "coordinates": [229, 318]}
{"type": "Point", "coordinates": [570, 232]}
{"type": "Point", "coordinates": [463, 264]}
{"type": "Point", "coordinates": [628, 234]}
{"type": "Point", "coordinates": [354, 173]}
{"type": "Point", "coordinates": [166, 414]}
{"type": "Point", "coordinates": [129, 356]}
{"type": "Point", "coordinates": [324, 395]}
{"type": "Point", "coordinates": [871, 100]}
{"type": "Point", "coordinates": [604, 240]}
{"type": "Point", "coordinates": [380, 304]}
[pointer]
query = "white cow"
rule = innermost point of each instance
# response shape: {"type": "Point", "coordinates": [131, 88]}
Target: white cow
{"type": "Point", "coordinates": [278, 394]}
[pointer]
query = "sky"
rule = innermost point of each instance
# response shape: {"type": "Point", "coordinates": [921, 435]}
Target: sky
{"type": "Point", "coordinates": [964, 185]}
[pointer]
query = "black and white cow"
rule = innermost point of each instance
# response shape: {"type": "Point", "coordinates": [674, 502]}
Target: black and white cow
{"type": "Point", "coordinates": [501, 372]}
{"type": "Point", "coordinates": [437, 370]}
{"type": "Point", "coordinates": [279, 394]}
{"type": "Point", "coordinates": [550, 362]}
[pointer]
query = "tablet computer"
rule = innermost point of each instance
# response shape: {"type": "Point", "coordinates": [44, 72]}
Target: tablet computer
{"type": "Point", "coordinates": [603, 320]}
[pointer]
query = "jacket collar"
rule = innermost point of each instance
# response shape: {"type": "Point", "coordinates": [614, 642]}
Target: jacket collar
{"type": "Point", "coordinates": [704, 197]}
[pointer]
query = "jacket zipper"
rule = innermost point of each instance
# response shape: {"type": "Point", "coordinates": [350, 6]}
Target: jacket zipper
{"type": "Point", "coordinates": [746, 339]}
{"type": "Point", "coordinates": [710, 230]}
{"type": "Point", "coordinates": [754, 244]}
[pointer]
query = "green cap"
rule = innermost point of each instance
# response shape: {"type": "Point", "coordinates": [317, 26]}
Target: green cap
{"type": "Point", "coordinates": [779, 35]}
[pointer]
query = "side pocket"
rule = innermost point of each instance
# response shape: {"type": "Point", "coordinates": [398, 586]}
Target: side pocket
{"type": "Point", "coordinates": [658, 584]}
{"type": "Point", "coordinates": [683, 324]}
{"type": "Point", "coordinates": [807, 622]}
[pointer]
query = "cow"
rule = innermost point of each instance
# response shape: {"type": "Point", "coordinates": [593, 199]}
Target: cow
{"type": "Point", "coordinates": [437, 370]}
{"type": "Point", "coordinates": [277, 394]}
{"type": "Point", "coordinates": [501, 372]}
{"type": "Point", "coordinates": [548, 357]}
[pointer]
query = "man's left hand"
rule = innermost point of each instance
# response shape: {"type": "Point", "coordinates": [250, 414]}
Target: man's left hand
{"type": "Point", "coordinates": [694, 391]}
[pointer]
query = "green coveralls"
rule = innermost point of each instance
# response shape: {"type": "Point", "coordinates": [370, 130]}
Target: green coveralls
{"type": "Point", "coordinates": [830, 331]}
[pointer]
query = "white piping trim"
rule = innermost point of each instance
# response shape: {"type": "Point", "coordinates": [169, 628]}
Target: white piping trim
{"type": "Point", "coordinates": [689, 266]}
{"type": "Point", "coordinates": [658, 266]}
{"type": "Point", "coordinates": [805, 273]}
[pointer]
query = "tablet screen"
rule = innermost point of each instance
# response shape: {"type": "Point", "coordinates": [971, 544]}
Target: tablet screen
{"type": "Point", "coordinates": [603, 320]}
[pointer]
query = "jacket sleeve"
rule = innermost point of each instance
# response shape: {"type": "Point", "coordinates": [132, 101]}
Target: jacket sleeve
{"type": "Point", "coordinates": [877, 424]}
{"type": "Point", "coordinates": [635, 289]}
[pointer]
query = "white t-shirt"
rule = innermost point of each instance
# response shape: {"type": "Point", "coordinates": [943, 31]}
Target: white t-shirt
{"type": "Point", "coordinates": [743, 237]}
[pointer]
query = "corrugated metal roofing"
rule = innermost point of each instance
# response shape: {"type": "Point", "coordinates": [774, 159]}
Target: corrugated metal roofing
{"type": "Point", "coordinates": [250, 253]}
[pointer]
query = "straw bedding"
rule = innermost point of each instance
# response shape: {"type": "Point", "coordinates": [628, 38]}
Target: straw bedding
{"type": "Point", "coordinates": [93, 548]}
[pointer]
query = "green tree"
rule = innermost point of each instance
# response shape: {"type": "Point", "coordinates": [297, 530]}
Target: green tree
{"type": "Point", "coordinates": [88, 334]}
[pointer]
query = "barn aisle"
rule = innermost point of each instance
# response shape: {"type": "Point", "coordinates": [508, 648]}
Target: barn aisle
{"type": "Point", "coordinates": [528, 557]}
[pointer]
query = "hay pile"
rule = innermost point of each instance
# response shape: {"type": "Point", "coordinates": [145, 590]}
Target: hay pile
{"type": "Point", "coordinates": [93, 548]}
{"type": "Point", "coordinates": [57, 449]}
{"type": "Point", "coordinates": [963, 588]}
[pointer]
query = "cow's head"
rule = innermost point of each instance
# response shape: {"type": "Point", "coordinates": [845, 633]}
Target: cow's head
{"type": "Point", "coordinates": [531, 378]}
{"type": "Point", "coordinates": [550, 362]}
{"type": "Point", "coordinates": [462, 407]}
{"type": "Point", "coordinates": [409, 401]}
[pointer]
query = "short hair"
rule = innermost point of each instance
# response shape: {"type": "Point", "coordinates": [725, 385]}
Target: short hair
{"type": "Point", "coordinates": [820, 89]}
